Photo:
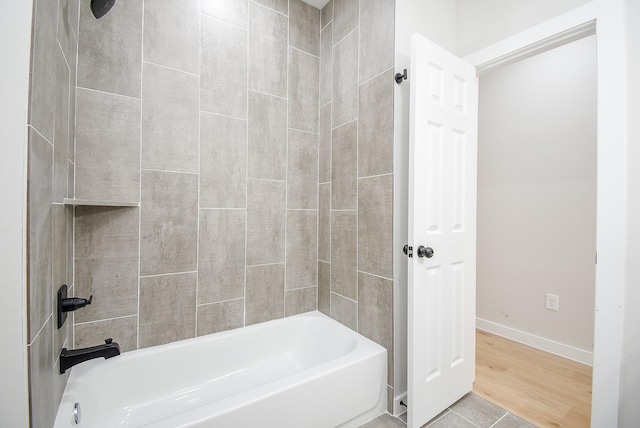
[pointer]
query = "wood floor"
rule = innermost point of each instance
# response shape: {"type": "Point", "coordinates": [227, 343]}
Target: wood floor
{"type": "Point", "coordinates": [542, 388]}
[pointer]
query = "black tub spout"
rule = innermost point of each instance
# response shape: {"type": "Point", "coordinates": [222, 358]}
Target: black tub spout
{"type": "Point", "coordinates": [71, 357]}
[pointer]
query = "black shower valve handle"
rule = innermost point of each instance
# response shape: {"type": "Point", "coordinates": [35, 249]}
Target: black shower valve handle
{"type": "Point", "coordinates": [73, 303]}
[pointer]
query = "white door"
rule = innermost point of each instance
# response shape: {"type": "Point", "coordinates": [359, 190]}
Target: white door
{"type": "Point", "coordinates": [442, 218]}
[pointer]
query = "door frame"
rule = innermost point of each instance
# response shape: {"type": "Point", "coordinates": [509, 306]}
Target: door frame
{"type": "Point", "coordinates": [605, 18]}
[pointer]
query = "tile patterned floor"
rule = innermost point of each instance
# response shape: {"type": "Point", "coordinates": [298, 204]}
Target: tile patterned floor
{"type": "Point", "coordinates": [470, 411]}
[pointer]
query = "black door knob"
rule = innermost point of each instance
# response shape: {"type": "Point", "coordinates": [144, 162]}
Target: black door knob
{"type": "Point", "coordinates": [425, 251]}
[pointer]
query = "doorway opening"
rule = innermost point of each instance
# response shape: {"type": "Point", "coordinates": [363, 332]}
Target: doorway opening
{"type": "Point", "coordinates": [536, 228]}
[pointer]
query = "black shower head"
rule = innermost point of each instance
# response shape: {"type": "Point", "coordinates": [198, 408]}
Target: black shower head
{"type": "Point", "coordinates": [101, 7]}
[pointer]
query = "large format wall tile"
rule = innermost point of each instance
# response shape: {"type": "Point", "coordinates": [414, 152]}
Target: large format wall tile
{"type": "Point", "coordinates": [265, 293]}
{"type": "Point", "coordinates": [267, 50]}
{"type": "Point", "coordinates": [221, 255]}
{"type": "Point", "coordinates": [304, 27]}
{"type": "Point", "coordinates": [110, 49]}
{"type": "Point", "coordinates": [223, 74]}
{"type": "Point", "coordinates": [169, 222]}
{"type": "Point", "coordinates": [232, 11]}
{"type": "Point", "coordinates": [345, 17]}
{"type": "Point", "coordinates": [167, 308]}
{"type": "Point", "coordinates": [61, 253]}
{"type": "Point", "coordinates": [344, 240]}
{"type": "Point", "coordinates": [171, 34]}
{"type": "Point", "coordinates": [42, 378]}
{"type": "Point", "coordinates": [375, 313]}
{"type": "Point", "coordinates": [106, 259]}
{"type": "Point", "coordinates": [304, 70]}
{"type": "Point", "coordinates": [40, 223]}
{"type": "Point", "coordinates": [107, 147]}
{"type": "Point", "coordinates": [170, 105]}
{"type": "Point", "coordinates": [302, 249]}
{"type": "Point", "coordinates": [302, 170]}
{"type": "Point", "coordinates": [281, 6]}
{"type": "Point", "coordinates": [266, 219]}
{"type": "Point", "coordinates": [375, 126]}
{"type": "Point", "coordinates": [324, 222]}
{"type": "Point", "coordinates": [377, 38]}
{"type": "Point", "coordinates": [345, 311]}
{"type": "Point", "coordinates": [267, 136]}
{"type": "Point", "coordinates": [300, 301]}
{"type": "Point", "coordinates": [59, 250]}
{"type": "Point", "coordinates": [61, 129]}
{"type": "Point", "coordinates": [344, 92]}
{"type": "Point", "coordinates": [68, 30]}
{"type": "Point", "coordinates": [324, 287]}
{"type": "Point", "coordinates": [324, 145]}
{"type": "Point", "coordinates": [375, 225]}
{"type": "Point", "coordinates": [223, 161]}
{"type": "Point", "coordinates": [222, 316]}
{"type": "Point", "coordinates": [327, 14]}
{"type": "Point", "coordinates": [344, 154]}
{"type": "Point", "coordinates": [326, 64]}
{"type": "Point", "coordinates": [43, 61]}
{"type": "Point", "coordinates": [123, 331]}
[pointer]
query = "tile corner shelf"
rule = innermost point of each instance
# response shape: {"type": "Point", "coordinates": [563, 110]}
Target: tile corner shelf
{"type": "Point", "coordinates": [99, 203]}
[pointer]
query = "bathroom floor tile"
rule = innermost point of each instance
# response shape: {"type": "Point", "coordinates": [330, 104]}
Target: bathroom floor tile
{"type": "Point", "coordinates": [471, 411]}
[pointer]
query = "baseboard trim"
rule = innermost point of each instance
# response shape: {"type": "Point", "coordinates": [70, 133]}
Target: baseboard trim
{"type": "Point", "coordinates": [538, 342]}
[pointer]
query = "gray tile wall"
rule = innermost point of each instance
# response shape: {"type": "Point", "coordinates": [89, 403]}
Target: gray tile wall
{"type": "Point", "coordinates": [355, 169]}
{"type": "Point", "coordinates": [210, 119]}
{"type": "Point", "coordinates": [220, 117]}
{"type": "Point", "coordinates": [51, 151]}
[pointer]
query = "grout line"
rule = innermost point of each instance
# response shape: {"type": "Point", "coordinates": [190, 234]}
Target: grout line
{"type": "Point", "coordinates": [372, 274]}
{"type": "Point", "coordinates": [38, 132]}
{"type": "Point", "coordinates": [444, 413]}
{"type": "Point", "coordinates": [501, 418]}
{"type": "Point", "coordinates": [221, 209]}
{"type": "Point", "coordinates": [458, 414]}
{"type": "Point", "coordinates": [222, 115]}
{"type": "Point", "coordinates": [286, 172]}
{"type": "Point", "coordinates": [215, 18]}
{"type": "Point", "coordinates": [106, 319]}
{"type": "Point", "coordinates": [169, 68]}
{"type": "Point", "coordinates": [195, 333]}
{"type": "Point", "coordinates": [246, 173]}
{"type": "Point", "coordinates": [317, 134]}
{"type": "Point", "coordinates": [221, 301]}
{"type": "Point", "coordinates": [140, 193]}
{"type": "Point", "coordinates": [300, 288]}
{"type": "Point", "coordinates": [357, 127]}
{"type": "Point", "coordinates": [166, 170]}
{"type": "Point", "coordinates": [349, 33]}
{"type": "Point", "coordinates": [376, 175]}
{"type": "Point", "coordinates": [349, 122]}
{"type": "Point", "coordinates": [113, 93]}
{"type": "Point", "coordinates": [266, 93]}
{"type": "Point", "coordinates": [267, 7]}
{"type": "Point", "coordinates": [304, 52]}
{"type": "Point", "coordinates": [345, 297]}
{"type": "Point", "coordinates": [377, 75]}
{"type": "Point", "coordinates": [168, 274]}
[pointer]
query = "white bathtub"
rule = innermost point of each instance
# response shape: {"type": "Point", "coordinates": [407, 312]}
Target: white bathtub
{"type": "Point", "coordinates": [302, 371]}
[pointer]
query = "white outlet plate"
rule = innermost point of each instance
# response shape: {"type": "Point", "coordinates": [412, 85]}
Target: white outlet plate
{"type": "Point", "coordinates": [552, 302]}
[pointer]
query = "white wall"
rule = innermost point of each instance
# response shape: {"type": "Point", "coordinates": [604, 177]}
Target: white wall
{"type": "Point", "coordinates": [537, 194]}
{"type": "Point", "coordinates": [482, 23]}
{"type": "Point", "coordinates": [15, 21]}
{"type": "Point", "coordinates": [629, 412]}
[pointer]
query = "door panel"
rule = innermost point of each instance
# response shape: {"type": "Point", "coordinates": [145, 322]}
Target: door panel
{"type": "Point", "coordinates": [442, 200]}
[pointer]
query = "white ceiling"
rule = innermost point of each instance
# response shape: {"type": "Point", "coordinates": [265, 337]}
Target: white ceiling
{"type": "Point", "coordinates": [317, 3]}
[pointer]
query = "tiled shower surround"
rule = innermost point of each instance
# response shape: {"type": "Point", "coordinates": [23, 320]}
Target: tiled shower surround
{"type": "Point", "coordinates": [257, 137]}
